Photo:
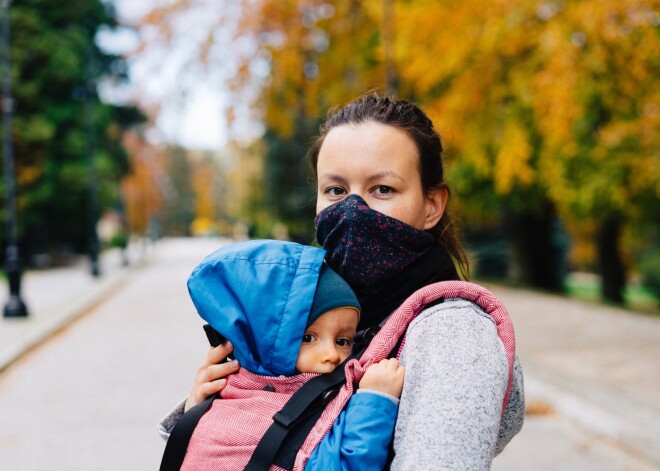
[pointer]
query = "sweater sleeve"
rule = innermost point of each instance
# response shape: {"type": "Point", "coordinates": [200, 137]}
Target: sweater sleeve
{"type": "Point", "coordinates": [168, 422]}
{"type": "Point", "coordinates": [360, 438]}
{"type": "Point", "coordinates": [456, 378]}
{"type": "Point", "coordinates": [514, 414]}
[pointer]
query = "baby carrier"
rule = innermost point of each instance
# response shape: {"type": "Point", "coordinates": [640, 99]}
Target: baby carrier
{"type": "Point", "coordinates": [299, 426]}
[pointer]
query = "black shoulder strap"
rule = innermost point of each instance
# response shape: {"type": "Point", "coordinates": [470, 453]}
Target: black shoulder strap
{"type": "Point", "coordinates": [293, 422]}
{"type": "Point", "coordinates": [177, 444]}
{"type": "Point", "coordinates": [280, 444]}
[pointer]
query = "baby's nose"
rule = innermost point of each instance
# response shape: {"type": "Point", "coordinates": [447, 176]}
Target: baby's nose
{"type": "Point", "coordinates": [332, 355]}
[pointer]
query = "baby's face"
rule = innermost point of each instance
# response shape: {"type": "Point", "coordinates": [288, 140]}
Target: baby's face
{"type": "Point", "coordinates": [328, 341]}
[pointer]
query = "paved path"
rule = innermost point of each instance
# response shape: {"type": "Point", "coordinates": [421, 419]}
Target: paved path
{"type": "Point", "coordinates": [57, 297]}
{"type": "Point", "coordinates": [89, 397]}
{"type": "Point", "coordinates": [597, 365]}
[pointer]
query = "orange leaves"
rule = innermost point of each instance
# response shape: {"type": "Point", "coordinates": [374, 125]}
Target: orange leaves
{"type": "Point", "coordinates": [512, 162]}
{"type": "Point", "coordinates": [549, 93]}
{"type": "Point", "coordinates": [557, 94]}
{"type": "Point", "coordinates": [141, 190]}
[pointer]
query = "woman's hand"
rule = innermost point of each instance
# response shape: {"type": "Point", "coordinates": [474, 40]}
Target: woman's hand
{"type": "Point", "coordinates": [211, 374]}
{"type": "Point", "coordinates": [385, 376]}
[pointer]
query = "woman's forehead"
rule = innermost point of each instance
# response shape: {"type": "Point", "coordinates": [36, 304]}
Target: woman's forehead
{"type": "Point", "coordinates": [370, 146]}
{"type": "Point", "coordinates": [369, 132]}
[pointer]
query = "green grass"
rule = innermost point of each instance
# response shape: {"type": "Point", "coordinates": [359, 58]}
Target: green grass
{"type": "Point", "coordinates": [587, 288]}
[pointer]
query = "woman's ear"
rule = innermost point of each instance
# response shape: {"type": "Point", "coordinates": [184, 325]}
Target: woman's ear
{"type": "Point", "coordinates": [436, 201]}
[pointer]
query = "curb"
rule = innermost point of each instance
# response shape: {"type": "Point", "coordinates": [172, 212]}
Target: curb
{"type": "Point", "coordinates": [29, 333]}
{"type": "Point", "coordinates": [638, 436]}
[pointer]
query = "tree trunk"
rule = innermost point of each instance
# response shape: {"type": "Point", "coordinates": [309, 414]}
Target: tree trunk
{"type": "Point", "coordinates": [609, 258]}
{"type": "Point", "coordinates": [537, 249]}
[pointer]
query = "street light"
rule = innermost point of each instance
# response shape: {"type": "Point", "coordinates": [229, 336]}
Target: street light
{"type": "Point", "coordinates": [92, 178]}
{"type": "Point", "coordinates": [15, 306]}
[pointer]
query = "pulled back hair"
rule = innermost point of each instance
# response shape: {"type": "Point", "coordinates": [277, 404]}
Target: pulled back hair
{"type": "Point", "coordinates": [406, 116]}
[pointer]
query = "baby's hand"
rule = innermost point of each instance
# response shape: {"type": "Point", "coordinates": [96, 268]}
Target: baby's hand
{"type": "Point", "coordinates": [385, 377]}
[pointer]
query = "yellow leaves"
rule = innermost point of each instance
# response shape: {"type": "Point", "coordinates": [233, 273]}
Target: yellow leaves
{"type": "Point", "coordinates": [512, 163]}
{"type": "Point", "coordinates": [551, 171]}
{"type": "Point", "coordinates": [203, 184]}
{"type": "Point", "coordinates": [583, 233]}
{"type": "Point", "coordinates": [140, 190]}
{"type": "Point", "coordinates": [528, 91]}
{"type": "Point", "coordinates": [434, 40]}
{"type": "Point", "coordinates": [29, 174]}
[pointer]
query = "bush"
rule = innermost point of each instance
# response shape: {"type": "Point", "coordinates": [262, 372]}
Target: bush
{"type": "Point", "coordinates": [649, 268]}
{"type": "Point", "coordinates": [119, 240]}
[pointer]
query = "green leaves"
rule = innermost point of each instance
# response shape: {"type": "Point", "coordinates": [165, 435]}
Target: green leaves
{"type": "Point", "coordinates": [57, 122]}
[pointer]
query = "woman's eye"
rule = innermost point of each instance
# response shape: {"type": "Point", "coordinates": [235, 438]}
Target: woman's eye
{"type": "Point", "coordinates": [384, 190]}
{"type": "Point", "coordinates": [334, 191]}
{"type": "Point", "coordinates": [344, 342]}
{"type": "Point", "coordinates": [307, 338]}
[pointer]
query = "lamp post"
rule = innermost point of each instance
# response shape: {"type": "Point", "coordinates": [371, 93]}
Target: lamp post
{"type": "Point", "coordinates": [15, 306]}
{"type": "Point", "coordinates": [92, 179]}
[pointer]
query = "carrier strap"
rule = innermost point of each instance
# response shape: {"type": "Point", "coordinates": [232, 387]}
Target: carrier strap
{"type": "Point", "coordinates": [295, 419]}
{"type": "Point", "coordinates": [177, 444]}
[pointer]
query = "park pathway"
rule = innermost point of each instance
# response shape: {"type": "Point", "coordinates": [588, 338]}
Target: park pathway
{"type": "Point", "coordinates": [90, 394]}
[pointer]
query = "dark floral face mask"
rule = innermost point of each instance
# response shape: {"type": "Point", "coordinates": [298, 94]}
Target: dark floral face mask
{"type": "Point", "coordinates": [367, 247]}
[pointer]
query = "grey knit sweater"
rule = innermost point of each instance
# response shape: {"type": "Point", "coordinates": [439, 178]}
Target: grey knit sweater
{"type": "Point", "coordinates": [456, 377]}
{"type": "Point", "coordinates": [450, 410]}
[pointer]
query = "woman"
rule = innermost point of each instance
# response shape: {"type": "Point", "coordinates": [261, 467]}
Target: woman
{"type": "Point", "coordinates": [382, 218]}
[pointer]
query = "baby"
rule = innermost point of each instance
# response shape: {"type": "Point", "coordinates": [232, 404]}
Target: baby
{"type": "Point", "coordinates": [289, 318]}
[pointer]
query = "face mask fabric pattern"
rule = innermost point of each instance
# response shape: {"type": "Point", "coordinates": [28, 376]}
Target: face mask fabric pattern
{"type": "Point", "coordinates": [367, 247]}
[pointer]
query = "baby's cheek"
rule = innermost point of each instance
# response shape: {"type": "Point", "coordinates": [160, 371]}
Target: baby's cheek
{"type": "Point", "coordinates": [344, 353]}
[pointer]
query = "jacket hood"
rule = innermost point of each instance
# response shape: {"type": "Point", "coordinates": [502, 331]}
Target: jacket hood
{"type": "Point", "coordinates": [258, 294]}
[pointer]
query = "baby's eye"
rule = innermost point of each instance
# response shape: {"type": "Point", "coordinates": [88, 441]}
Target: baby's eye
{"type": "Point", "coordinates": [344, 342]}
{"type": "Point", "coordinates": [307, 338]}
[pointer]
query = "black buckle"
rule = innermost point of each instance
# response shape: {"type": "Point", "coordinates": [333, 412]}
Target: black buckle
{"type": "Point", "coordinates": [363, 337]}
{"type": "Point", "coordinates": [283, 419]}
{"type": "Point", "coordinates": [328, 396]}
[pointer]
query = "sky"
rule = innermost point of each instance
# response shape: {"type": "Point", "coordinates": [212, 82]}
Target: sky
{"type": "Point", "coordinates": [194, 119]}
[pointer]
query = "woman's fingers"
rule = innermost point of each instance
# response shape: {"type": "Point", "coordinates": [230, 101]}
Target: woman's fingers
{"type": "Point", "coordinates": [211, 374]}
{"type": "Point", "coordinates": [217, 371]}
{"type": "Point", "coordinates": [207, 389]}
{"type": "Point", "coordinates": [217, 354]}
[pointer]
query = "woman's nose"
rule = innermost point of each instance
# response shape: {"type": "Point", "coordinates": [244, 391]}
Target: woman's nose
{"type": "Point", "coordinates": [362, 198]}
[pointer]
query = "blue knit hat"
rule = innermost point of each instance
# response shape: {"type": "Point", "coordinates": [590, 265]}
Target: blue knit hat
{"type": "Point", "coordinates": [332, 292]}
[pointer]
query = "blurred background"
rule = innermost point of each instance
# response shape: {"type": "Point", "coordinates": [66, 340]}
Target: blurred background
{"type": "Point", "coordinates": [129, 121]}
{"type": "Point", "coordinates": [148, 119]}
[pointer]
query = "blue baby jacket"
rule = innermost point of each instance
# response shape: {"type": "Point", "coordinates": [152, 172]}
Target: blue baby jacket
{"type": "Point", "coordinates": [258, 294]}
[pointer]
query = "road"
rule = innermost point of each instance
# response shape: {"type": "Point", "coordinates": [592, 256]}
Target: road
{"type": "Point", "coordinates": [90, 397]}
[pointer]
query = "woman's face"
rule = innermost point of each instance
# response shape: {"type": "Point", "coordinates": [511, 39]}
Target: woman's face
{"type": "Point", "coordinates": [380, 163]}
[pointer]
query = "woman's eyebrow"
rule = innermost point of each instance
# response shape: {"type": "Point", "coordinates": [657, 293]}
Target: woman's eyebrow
{"type": "Point", "coordinates": [332, 177]}
{"type": "Point", "coordinates": [336, 178]}
{"type": "Point", "coordinates": [379, 175]}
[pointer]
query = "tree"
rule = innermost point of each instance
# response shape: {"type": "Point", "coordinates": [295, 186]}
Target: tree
{"type": "Point", "coordinates": [301, 58]}
{"type": "Point", "coordinates": [549, 108]}
{"type": "Point", "coordinates": [53, 58]}
{"type": "Point", "coordinates": [181, 202]}
{"type": "Point", "coordinates": [146, 190]}
{"type": "Point", "coordinates": [552, 105]}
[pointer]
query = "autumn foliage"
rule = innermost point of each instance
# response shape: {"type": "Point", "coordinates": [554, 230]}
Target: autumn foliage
{"type": "Point", "coordinates": [550, 109]}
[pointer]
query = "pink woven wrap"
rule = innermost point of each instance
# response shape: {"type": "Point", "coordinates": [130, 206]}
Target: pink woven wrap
{"type": "Point", "coordinates": [387, 338]}
{"type": "Point", "coordinates": [228, 433]}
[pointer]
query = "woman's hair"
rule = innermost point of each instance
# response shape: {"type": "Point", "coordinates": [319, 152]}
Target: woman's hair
{"type": "Point", "coordinates": [408, 117]}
